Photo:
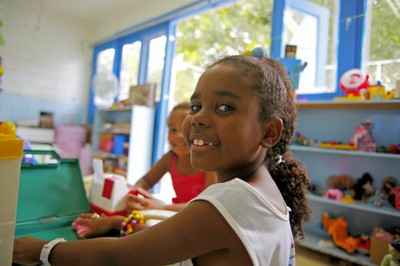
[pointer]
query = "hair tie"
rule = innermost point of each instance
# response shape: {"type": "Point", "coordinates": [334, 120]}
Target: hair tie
{"type": "Point", "coordinates": [279, 159]}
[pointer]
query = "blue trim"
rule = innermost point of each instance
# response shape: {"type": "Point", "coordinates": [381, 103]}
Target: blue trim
{"type": "Point", "coordinates": [351, 29]}
{"type": "Point", "coordinates": [277, 29]}
{"type": "Point", "coordinates": [162, 105]}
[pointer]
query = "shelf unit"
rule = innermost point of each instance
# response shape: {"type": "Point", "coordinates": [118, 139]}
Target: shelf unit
{"type": "Point", "coordinates": [138, 134]}
{"type": "Point", "coordinates": [326, 121]}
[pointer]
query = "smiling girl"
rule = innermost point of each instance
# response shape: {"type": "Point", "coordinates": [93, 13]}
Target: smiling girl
{"type": "Point", "coordinates": [240, 125]}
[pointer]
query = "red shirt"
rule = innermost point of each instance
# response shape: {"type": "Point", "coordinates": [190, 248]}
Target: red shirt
{"type": "Point", "coordinates": [186, 186]}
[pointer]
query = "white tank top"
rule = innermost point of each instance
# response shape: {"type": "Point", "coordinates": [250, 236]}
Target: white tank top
{"type": "Point", "coordinates": [263, 229]}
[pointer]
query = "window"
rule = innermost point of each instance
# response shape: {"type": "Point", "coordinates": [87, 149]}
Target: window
{"type": "Point", "coordinates": [241, 26]}
{"type": "Point", "coordinates": [311, 26]}
{"type": "Point", "coordinates": [382, 42]}
{"type": "Point", "coordinates": [129, 68]}
{"type": "Point", "coordinates": [156, 62]}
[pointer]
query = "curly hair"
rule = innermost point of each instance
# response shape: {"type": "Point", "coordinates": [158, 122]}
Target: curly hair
{"type": "Point", "coordinates": [269, 78]}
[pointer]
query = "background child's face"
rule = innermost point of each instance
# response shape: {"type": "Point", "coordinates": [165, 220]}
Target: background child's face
{"type": "Point", "coordinates": [175, 135]}
{"type": "Point", "coordinates": [223, 129]}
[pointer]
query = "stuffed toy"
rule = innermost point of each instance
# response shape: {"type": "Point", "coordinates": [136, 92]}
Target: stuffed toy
{"type": "Point", "coordinates": [363, 188]}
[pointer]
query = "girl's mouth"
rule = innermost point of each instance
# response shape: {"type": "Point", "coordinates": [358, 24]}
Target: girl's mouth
{"type": "Point", "coordinates": [201, 142]}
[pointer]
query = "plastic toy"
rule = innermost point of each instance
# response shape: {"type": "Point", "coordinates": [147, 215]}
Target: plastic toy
{"type": "Point", "coordinates": [378, 92]}
{"type": "Point", "coordinates": [352, 81]}
{"type": "Point", "coordinates": [362, 138]}
{"type": "Point", "coordinates": [337, 228]}
{"type": "Point", "coordinates": [335, 145]}
{"type": "Point", "coordinates": [363, 244]}
{"type": "Point", "coordinates": [107, 194]}
{"type": "Point", "coordinates": [393, 256]}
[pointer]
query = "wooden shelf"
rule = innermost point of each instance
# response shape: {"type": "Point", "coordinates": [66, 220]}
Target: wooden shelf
{"type": "Point", "coordinates": [366, 104]}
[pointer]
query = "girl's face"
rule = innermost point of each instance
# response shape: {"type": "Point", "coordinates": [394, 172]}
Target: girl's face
{"type": "Point", "coordinates": [175, 135]}
{"type": "Point", "coordinates": [223, 129]}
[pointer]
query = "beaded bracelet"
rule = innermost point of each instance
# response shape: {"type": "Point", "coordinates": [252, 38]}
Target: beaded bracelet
{"type": "Point", "coordinates": [129, 222]}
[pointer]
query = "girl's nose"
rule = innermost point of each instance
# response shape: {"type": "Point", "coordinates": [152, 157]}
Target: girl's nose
{"type": "Point", "coordinates": [199, 120]}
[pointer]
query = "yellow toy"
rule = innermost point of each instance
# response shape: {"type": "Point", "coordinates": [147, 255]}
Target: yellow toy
{"type": "Point", "coordinates": [393, 256]}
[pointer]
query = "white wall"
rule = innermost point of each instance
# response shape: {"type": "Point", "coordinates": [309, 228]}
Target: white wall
{"type": "Point", "coordinates": [47, 63]}
{"type": "Point", "coordinates": [47, 56]}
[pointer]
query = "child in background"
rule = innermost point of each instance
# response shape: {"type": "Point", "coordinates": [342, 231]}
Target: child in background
{"type": "Point", "coordinates": [240, 125]}
{"type": "Point", "coordinates": [187, 181]}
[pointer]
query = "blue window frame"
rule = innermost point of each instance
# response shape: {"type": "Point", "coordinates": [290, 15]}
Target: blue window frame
{"type": "Point", "coordinates": [349, 48]}
{"type": "Point", "coordinates": [349, 40]}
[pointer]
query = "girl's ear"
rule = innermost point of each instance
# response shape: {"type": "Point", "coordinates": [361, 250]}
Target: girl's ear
{"type": "Point", "coordinates": [272, 132]}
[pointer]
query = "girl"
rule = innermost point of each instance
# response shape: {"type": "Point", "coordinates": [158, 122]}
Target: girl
{"type": "Point", "coordinates": [187, 181]}
{"type": "Point", "coordinates": [240, 125]}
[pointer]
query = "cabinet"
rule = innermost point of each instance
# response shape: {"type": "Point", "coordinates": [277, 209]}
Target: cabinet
{"type": "Point", "coordinates": [325, 121]}
{"type": "Point", "coordinates": [123, 138]}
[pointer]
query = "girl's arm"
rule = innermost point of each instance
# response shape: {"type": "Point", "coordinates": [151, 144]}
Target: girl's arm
{"type": "Point", "coordinates": [198, 229]}
{"type": "Point", "coordinates": [155, 173]}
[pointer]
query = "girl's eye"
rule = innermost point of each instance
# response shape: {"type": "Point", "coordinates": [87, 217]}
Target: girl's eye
{"type": "Point", "coordinates": [172, 130]}
{"type": "Point", "coordinates": [195, 108]}
{"type": "Point", "coordinates": [224, 108]}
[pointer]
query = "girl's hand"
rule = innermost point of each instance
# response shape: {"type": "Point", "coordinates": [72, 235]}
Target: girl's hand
{"type": "Point", "coordinates": [90, 224]}
{"type": "Point", "coordinates": [27, 250]}
{"type": "Point", "coordinates": [143, 201]}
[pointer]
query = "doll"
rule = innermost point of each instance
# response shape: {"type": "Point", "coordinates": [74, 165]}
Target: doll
{"type": "Point", "coordinates": [363, 188]}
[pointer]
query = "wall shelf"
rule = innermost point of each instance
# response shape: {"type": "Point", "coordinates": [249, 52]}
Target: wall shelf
{"type": "Point", "coordinates": [345, 152]}
{"type": "Point", "coordinates": [336, 121]}
{"type": "Point", "coordinates": [366, 104]}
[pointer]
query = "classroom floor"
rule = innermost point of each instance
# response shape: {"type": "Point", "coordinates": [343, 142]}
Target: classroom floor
{"type": "Point", "coordinates": [306, 257]}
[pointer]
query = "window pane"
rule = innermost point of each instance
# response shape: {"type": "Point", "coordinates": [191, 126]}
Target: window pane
{"type": "Point", "coordinates": [311, 26]}
{"type": "Point", "coordinates": [129, 68]}
{"type": "Point", "coordinates": [156, 62]}
{"type": "Point", "coordinates": [382, 47]}
{"type": "Point", "coordinates": [105, 61]}
{"type": "Point", "coordinates": [241, 26]}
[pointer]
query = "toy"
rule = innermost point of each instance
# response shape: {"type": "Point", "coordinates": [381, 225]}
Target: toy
{"type": "Point", "coordinates": [352, 81]}
{"type": "Point", "coordinates": [335, 194]}
{"type": "Point", "coordinates": [378, 92]}
{"type": "Point", "coordinates": [342, 182]}
{"type": "Point", "coordinates": [107, 194]}
{"type": "Point", "coordinates": [394, 197]}
{"type": "Point", "coordinates": [393, 256]}
{"type": "Point", "coordinates": [362, 138]}
{"type": "Point", "coordinates": [337, 228]}
{"type": "Point", "coordinates": [363, 188]}
{"type": "Point", "coordinates": [363, 244]}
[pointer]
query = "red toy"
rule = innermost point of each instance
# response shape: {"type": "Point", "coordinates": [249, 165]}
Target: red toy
{"type": "Point", "coordinates": [352, 81]}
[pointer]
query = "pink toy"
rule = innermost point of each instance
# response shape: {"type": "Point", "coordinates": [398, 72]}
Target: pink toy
{"type": "Point", "coordinates": [80, 228]}
{"type": "Point", "coordinates": [362, 138]}
{"type": "Point", "coordinates": [335, 194]}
